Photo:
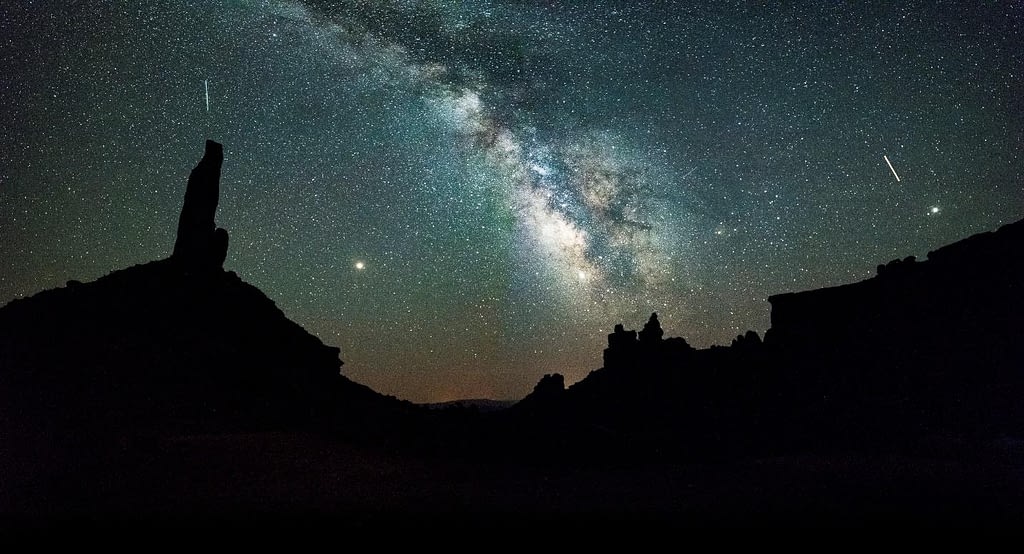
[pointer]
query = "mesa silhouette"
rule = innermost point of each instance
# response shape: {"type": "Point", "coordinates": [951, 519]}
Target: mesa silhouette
{"type": "Point", "coordinates": [921, 350]}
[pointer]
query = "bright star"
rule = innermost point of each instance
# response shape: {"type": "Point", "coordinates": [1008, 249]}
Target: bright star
{"type": "Point", "coordinates": [360, 265]}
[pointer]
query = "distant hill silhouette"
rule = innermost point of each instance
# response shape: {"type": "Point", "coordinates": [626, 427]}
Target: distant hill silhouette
{"type": "Point", "coordinates": [481, 405]}
{"type": "Point", "coordinates": [923, 349]}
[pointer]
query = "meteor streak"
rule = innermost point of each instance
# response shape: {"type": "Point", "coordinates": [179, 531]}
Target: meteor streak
{"type": "Point", "coordinates": [890, 167]}
{"type": "Point", "coordinates": [206, 86]}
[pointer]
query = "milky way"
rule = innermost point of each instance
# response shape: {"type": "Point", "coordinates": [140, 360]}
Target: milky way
{"type": "Point", "coordinates": [464, 196]}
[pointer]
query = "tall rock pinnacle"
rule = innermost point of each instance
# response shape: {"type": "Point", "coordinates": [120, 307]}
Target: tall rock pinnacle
{"type": "Point", "coordinates": [200, 244]}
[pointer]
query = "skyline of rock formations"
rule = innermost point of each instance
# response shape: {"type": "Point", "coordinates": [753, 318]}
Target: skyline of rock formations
{"type": "Point", "coordinates": [179, 372]}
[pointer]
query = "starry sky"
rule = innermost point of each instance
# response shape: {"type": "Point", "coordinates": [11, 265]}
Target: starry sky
{"type": "Point", "coordinates": [466, 195]}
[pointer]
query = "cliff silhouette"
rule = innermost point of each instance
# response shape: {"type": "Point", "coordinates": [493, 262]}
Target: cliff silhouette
{"type": "Point", "coordinates": [923, 351]}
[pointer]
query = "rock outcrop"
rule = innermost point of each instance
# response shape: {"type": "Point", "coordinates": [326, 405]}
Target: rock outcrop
{"type": "Point", "coordinates": [652, 332]}
{"type": "Point", "coordinates": [200, 245]}
{"type": "Point", "coordinates": [174, 345]}
{"type": "Point", "coordinates": [923, 349]}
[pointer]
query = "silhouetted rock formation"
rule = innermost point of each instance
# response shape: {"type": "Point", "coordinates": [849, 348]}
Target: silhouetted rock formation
{"type": "Point", "coordinates": [126, 378]}
{"type": "Point", "coordinates": [551, 385]}
{"type": "Point", "coordinates": [171, 346]}
{"type": "Point", "coordinates": [99, 381]}
{"type": "Point", "coordinates": [200, 244]}
{"type": "Point", "coordinates": [646, 348]}
{"type": "Point", "coordinates": [651, 332]}
{"type": "Point", "coordinates": [622, 345]}
{"type": "Point", "coordinates": [747, 341]}
{"type": "Point", "coordinates": [923, 349]}
{"type": "Point", "coordinates": [545, 399]}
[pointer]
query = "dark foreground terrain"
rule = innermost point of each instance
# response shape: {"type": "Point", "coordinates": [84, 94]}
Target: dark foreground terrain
{"type": "Point", "coordinates": [286, 480]}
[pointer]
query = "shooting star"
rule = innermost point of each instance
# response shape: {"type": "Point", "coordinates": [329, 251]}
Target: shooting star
{"type": "Point", "coordinates": [206, 86]}
{"type": "Point", "coordinates": [890, 168]}
{"type": "Point", "coordinates": [688, 173]}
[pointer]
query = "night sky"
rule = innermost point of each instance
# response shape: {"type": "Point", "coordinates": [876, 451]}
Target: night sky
{"type": "Point", "coordinates": [464, 196]}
